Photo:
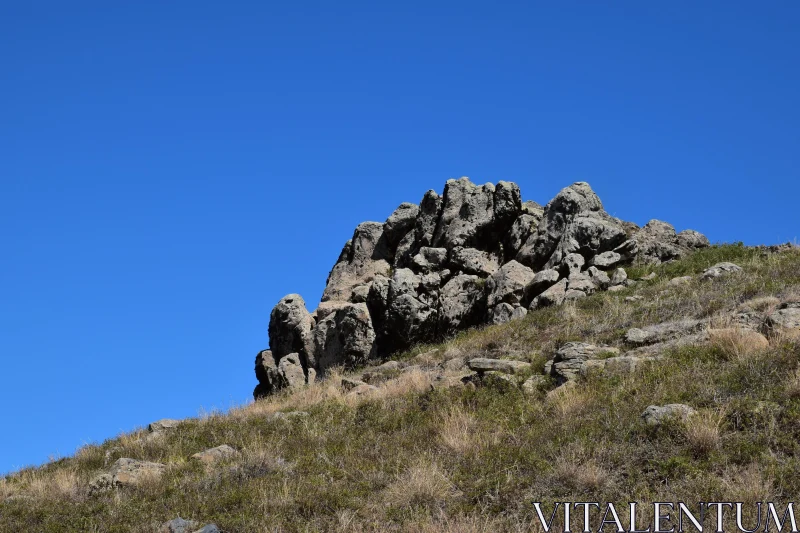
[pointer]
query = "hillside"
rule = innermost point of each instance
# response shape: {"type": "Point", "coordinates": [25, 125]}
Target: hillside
{"type": "Point", "coordinates": [426, 443]}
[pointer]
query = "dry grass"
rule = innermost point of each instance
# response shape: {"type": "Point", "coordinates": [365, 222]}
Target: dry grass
{"type": "Point", "coordinates": [793, 385]}
{"type": "Point", "coordinates": [577, 469]}
{"type": "Point", "coordinates": [567, 401]}
{"type": "Point", "coordinates": [424, 483]}
{"type": "Point", "coordinates": [738, 344]}
{"type": "Point", "coordinates": [703, 432]}
{"type": "Point", "coordinates": [751, 484]}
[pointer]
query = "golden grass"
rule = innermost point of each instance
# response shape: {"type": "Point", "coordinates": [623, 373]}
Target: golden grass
{"type": "Point", "coordinates": [737, 343]}
{"type": "Point", "coordinates": [751, 484]}
{"type": "Point", "coordinates": [423, 483]}
{"type": "Point", "coordinates": [568, 400]}
{"type": "Point", "coordinates": [577, 469]}
{"type": "Point", "coordinates": [703, 431]}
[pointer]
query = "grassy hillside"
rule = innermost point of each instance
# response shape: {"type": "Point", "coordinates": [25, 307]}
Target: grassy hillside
{"type": "Point", "coordinates": [412, 457]}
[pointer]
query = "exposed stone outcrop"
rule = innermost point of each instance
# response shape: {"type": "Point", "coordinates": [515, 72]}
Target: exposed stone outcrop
{"type": "Point", "coordinates": [475, 255]}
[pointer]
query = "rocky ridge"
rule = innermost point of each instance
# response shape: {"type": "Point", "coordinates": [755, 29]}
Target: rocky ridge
{"type": "Point", "coordinates": [475, 255]}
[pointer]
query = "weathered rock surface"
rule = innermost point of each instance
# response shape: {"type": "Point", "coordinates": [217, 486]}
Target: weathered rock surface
{"type": "Point", "coordinates": [126, 472]}
{"type": "Point", "coordinates": [477, 254]}
{"type": "Point", "coordinates": [569, 360]}
{"type": "Point", "coordinates": [214, 455]}
{"type": "Point", "coordinates": [720, 269]}
{"type": "Point", "coordinates": [655, 415]}
{"type": "Point", "coordinates": [785, 321]}
{"type": "Point", "coordinates": [505, 366]}
{"type": "Point", "coordinates": [665, 331]}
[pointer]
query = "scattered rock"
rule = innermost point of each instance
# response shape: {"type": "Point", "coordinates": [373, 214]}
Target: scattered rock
{"type": "Point", "coordinates": [784, 321]}
{"type": "Point", "coordinates": [165, 424]}
{"type": "Point", "coordinates": [569, 360]}
{"type": "Point", "coordinates": [215, 455]}
{"type": "Point", "coordinates": [508, 284]}
{"type": "Point", "coordinates": [664, 331]}
{"type": "Point", "coordinates": [683, 280]}
{"type": "Point", "coordinates": [620, 365]}
{"type": "Point", "coordinates": [619, 277]}
{"type": "Point", "coordinates": [634, 298]}
{"type": "Point", "coordinates": [720, 269]}
{"type": "Point", "coordinates": [125, 472]}
{"type": "Point", "coordinates": [505, 366]}
{"type": "Point", "coordinates": [504, 312]}
{"type": "Point", "coordinates": [555, 295]}
{"type": "Point", "coordinates": [656, 415]}
{"type": "Point", "coordinates": [606, 260]}
{"type": "Point", "coordinates": [349, 384]}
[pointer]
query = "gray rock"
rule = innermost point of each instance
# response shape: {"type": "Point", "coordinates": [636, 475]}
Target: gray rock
{"type": "Point", "coordinates": [523, 231]}
{"type": "Point", "coordinates": [599, 278]}
{"type": "Point", "coordinates": [429, 210]}
{"type": "Point", "coordinates": [720, 269]}
{"type": "Point", "coordinates": [210, 528]}
{"type": "Point", "coordinates": [657, 242]}
{"type": "Point", "coordinates": [505, 366]}
{"type": "Point", "coordinates": [101, 484]}
{"type": "Point", "coordinates": [472, 261]}
{"type": "Point", "coordinates": [656, 415]}
{"type": "Point", "coordinates": [555, 295]}
{"type": "Point", "coordinates": [692, 239]}
{"type": "Point", "coordinates": [345, 338]}
{"type": "Point", "coordinates": [403, 253]}
{"type": "Point", "coordinates": [581, 282]}
{"type": "Point", "coordinates": [467, 215]}
{"type": "Point", "coordinates": [661, 332]}
{"type": "Point", "coordinates": [429, 259]}
{"type": "Point", "coordinates": [290, 329]}
{"type": "Point", "coordinates": [363, 257]}
{"type": "Point", "coordinates": [606, 260]}
{"type": "Point", "coordinates": [290, 372]}
{"type": "Point", "coordinates": [165, 424]}
{"type": "Point", "coordinates": [269, 379]}
{"type": "Point", "coordinates": [616, 288]}
{"type": "Point", "coordinates": [412, 312]}
{"type": "Point", "coordinates": [215, 455]}
{"type": "Point", "coordinates": [569, 360]}
{"type": "Point", "coordinates": [178, 525]}
{"type": "Point", "coordinates": [574, 263]}
{"type": "Point", "coordinates": [128, 472]}
{"type": "Point", "coordinates": [462, 304]}
{"type": "Point", "coordinates": [542, 281]}
{"type": "Point", "coordinates": [682, 280]}
{"type": "Point", "coordinates": [785, 321]}
{"type": "Point", "coordinates": [588, 234]}
{"type": "Point", "coordinates": [361, 390]}
{"type": "Point", "coordinates": [508, 284]}
{"type": "Point", "coordinates": [504, 312]}
{"type": "Point", "coordinates": [399, 224]}
{"type": "Point", "coordinates": [619, 277]}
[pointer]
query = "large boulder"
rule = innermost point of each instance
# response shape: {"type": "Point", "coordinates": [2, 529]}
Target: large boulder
{"type": "Point", "coordinates": [472, 261]}
{"type": "Point", "coordinates": [411, 312]}
{"type": "Point", "coordinates": [345, 337]}
{"type": "Point", "coordinates": [290, 329]}
{"type": "Point", "coordinates": [508, 284]}
{"type": "Point", "coordinates": [269, 380]}
{"type": "Point", "coordinates": [399, 224]}
{"type": "Point", "coordinates": [785, 321]}
{"type": "Point", "coordinates": [569, 360]}
{"type": "Point", "coordinates": [657, 242]}
{"type": "Point", "coordinates": [363, 257]}
{"type": "Point", "coordinates": [462, 304]}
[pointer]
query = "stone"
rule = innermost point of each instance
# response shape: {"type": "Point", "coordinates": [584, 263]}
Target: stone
{"type": "Point", "coordinates": [656, 415]}
{"type": "Point", "coordinates": [692, 239]}
{"type": "Point", "coordinates": [101, 484]}
{"type": "Point", "coordinates": [542, 281]}
{"type": "Point", "coordinates": [555, 295]}
{"type": "Point", "coordinates": [345, 338]}
{"type": "Point", "coordinates": [616, 288]}
{"type": "Point", "coordinates": [269, 380]}
{"type": "Point", "coordinates": [657, 242]}
{"type": "Point", "coordinates": [467, 215]}
{"type": "Point", "coordinates": [606, 260]}
{"type": "Point", "coordinates": [462, 304]}
{"type": "Point", "coordinates": [634, 298]}
{"type": "Point", "coordinates": [581, 282]}
{"type": "Point", "coordinates": [290, 372]}
{"type": "Point", "coordinates": [165, 424]}
{"type": "Point", "coordinates": [127, 472]}
{"type": "Point", "coordinates": [429, 259]}
{"type": "Point", "coordinates": [720, 269]}
{"type": "Point", "coordinates": [619, 277]}
{"type": "Point", "coordinates": [648, 277]}
{"type": "Point", "coordinates": [505, 366]}
{"type": "Point", "coordinates": [784, 321]}
{"type": "Point", "coordinates": [682, 280]}
{"type": "Point", "coordinates": [411, 314]}
{"type": "Point", "coordinates": [215, 455]}
{"type": "Point", "coordinates": [472, 261]}
{"type": "Point", "coordinates": [178, 525]}
{"type": "Point", "coordinates": [569, 360]}
{"type": "Point", "coordinates": [210, 528]}
{"type": "Point", "coordinates": [661, 332]}
{"type": "Point", "coordinates": [508, 284]}
{"type": "Point", "coordinates": [599, 278]}
{"type": "Point", "coordinates": [532, 385]}
{"type": "Point", "coordinates": [574, 263]}
{"type": "Point", "coordinates": [363, 257]}
{"type": "Point", "coordinates": [588, 234]}
{"type": "Point", "coordinates": [504, 312]}
{"type": "Point", "coordinates": [523, 231]}
{"type": "Point", "coordinates": [290, 329]}
{"type": "Point", "coordinates": [399, 224]}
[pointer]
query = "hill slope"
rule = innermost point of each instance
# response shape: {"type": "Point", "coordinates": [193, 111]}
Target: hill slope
{"type": "Point", "coordinates": [435, 447]}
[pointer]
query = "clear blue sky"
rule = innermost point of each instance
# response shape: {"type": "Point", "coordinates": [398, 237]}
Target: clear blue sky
{"type": "Point", "coordinates": [169, 170]}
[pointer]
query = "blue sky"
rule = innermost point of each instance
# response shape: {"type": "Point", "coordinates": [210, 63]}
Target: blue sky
{"type": "Point", "coordinates": [169, 170]}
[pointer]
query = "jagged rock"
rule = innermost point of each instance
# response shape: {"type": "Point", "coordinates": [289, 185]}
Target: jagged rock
{"type": "Point", "coordinates": [290, 372]}
{"type": "Point", "coordinates": [345, 337]}
{"type": "Point", "coordinates": [508, 284]}
{"type": "Point", "coordinates": [569, 360]}
{"type": "Point", "coordinates": [521, 238]}
{"type": "Point", "coordinates": [165, 424]}
{"type": "Point", "coordinates": [599, 278]}
{"type": "Point", "coordinates": [429, 259]}
{"type": "Point", "coordinates": [661, 332]}
{"type": "Point", "coordinates": [363, 257]}
{"type": "Point", "coordinates": [619, 277]}
{"type": "Point", "coordinates": [542, 281]}
{"type": "Point", "coordinates": [399, 224]}
{"type": "Point", "coordinates": [692, 239]}
{"type": "Point", "coordinates": [574, 263]}
{"type": "Point", "coordinates": [411, 314]}
{"type": "Point", "coordinates": [656, 415]}
{"type": "Point", "coordinates": [472, 261]}
{"type": "Point", "coordinates": [785, 321]}
{"type": "Point", "coordinates": [606, 260]}
{"type": "Point", "coordinates": [720, 269]}
{"type": "Point", "coordinates": [269, 380]}
{"type": "Point", "coordinates": [504, 312]}
{"type": "Point", "coordinates": [555, 295]}
{"type": "Point", "coordinates": [214, 455]}
{"type": "Point", "coordinates": [429, 210]}
{"type": "Point", "coordinates": [290, 329]}
{"type": "Point", "coordinates": [657, 242]}
{"type": "Point", "coordinates": [178, 525]}
{"type": "Point", "coordinates": [505, 366]}
{"type": "Point", "coordinates": [581, 282]}
{"type": "Point", "coordinates": [466, 216]}
{"type": "Point", "coordinates": [462, 304]}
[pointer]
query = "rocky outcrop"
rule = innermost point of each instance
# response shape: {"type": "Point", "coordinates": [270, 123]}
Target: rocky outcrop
{"type": "Point", "coordinates": [475, 255]}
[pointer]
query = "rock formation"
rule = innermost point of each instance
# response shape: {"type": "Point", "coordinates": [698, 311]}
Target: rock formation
{"type": "Point", "coordinates": [475, 255]}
